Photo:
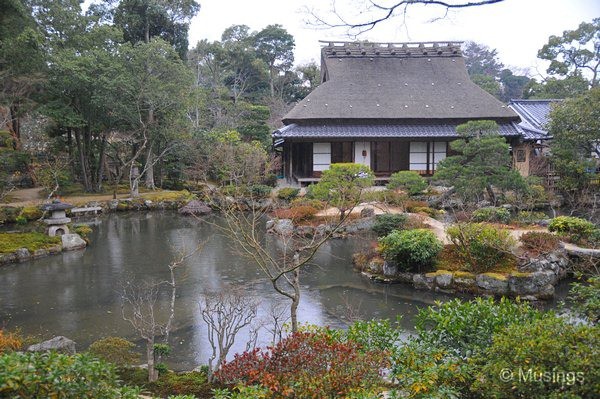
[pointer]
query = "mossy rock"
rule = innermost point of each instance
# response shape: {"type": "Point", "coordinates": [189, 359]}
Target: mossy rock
{"type": "Point", "coordinates": [496, 276]}
{"type": "Point", "coordinates": [464, 275]}
{"type": "Point", "coordinates": [11, 242]}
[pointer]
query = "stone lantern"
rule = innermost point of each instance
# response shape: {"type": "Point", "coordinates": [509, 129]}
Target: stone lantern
{"type": "Point", "coordinates": [58, 220]}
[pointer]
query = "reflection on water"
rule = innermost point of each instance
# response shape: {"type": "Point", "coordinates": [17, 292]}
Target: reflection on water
{"type": "Point", "coordinates": [76, 294]}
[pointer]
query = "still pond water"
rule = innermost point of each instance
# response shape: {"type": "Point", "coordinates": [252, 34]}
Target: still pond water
{"type": "Point", "coordinates": [76, 294]}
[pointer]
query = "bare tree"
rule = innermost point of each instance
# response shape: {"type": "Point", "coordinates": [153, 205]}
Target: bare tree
{"type": "Point", "coordinates": [281, 259]}
{"type": "Point", "coordinates": [371, 13]}
{"type": "Point", "coordinates": [139, 308]}
{"type": "Point", "coordinates": [225, 314]}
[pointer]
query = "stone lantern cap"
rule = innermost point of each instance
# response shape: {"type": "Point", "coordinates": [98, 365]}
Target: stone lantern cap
{"type": "Point", "coordinates": [56, 205]}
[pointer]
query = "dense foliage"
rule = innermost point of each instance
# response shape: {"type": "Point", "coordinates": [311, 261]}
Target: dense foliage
{"type": "Point", "coordinates": [387, 222]}
{"type": "Point", "coordinates": [575, 229]}
{"type": "Point", "coordinates": [409, 181]}
{"type": "Point", "coordinates": [307, 364]}
{"type": "Point", "coordinates": [491, 214]}
{"type": "Point", "coordinates": [342, 185]}
{"type": "Point", "coordinates": [114, 350]}
{"type": "Point", "coordinates": [411, 249]}
{"type": "Point", "coordinates": [53, 375]}
{"type": "Point", "coordinates": [479, 246]}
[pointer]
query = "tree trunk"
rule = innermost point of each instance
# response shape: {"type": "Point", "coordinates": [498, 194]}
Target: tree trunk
{"type": "Point", "coordinates": [152, 372]}
{"type": "Point", "coordinates": [295, 300]}
{"type": "Point", "coordinates": [15, 123]}
{"type": "Point", "coordinates": [149, 169]}
{"type": "Point", "coordinates": [82, 163]}
{"type": "Point", "coordinates": [272, 81]}
{"type": "Point", "coordinates": [491, 194]}
{"type": "Point", "coordinates": [101, 162]}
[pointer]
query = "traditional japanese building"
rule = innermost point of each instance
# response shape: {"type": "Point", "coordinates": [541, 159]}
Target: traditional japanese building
{"type": "Point", "coordinates": [392, 106]}
{"type": "Point", "coordinates": [529, 153]}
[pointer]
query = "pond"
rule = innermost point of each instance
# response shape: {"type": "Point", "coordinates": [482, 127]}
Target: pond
{"type": "Point", "coordinates": [77, 294]}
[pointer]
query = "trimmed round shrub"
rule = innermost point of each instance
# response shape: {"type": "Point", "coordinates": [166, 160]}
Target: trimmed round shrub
{"type": "Point", "coordinates": [492, 214]}
{"type": "Point", "coordinates": [479, 246]}
{"type": "Point", "coordinates": [288, 193]}
{"type": "Point", "coordinates": [114, 350]}
{"type": "Point", "coordinates": [411, 249]}
{"type": "Point", "coordinates": [409, 181]}
{"type": "Point", "coordinates": [55, 375]}
{"type": "Point", "coordinates": [386, 223]}
{"type": "Point", "coordinates": [528, 217]}
{"type": "Point", "coordinates": [539, 242]}
{"type": "Point", "coordinates": [576, 229]}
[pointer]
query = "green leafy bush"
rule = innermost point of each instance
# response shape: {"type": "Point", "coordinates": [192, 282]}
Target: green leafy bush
{"type": "Point", "coordinates": [114, 350]}
{"type": "Point", "coordinates": [243, 392]}
{"type": "Point", "coordinates": [54, 375]}
{"type": "Point", "coordinates": [288, 193]}
{"type": "Point", "coordinates": [21, 220]}
{"type": "Point", "coordinates": [386, 223]}
{"type": "Point", "coordinates": [481, 247]}
{"type": "Point", "coordinates": [376, 334]}
{"type": "Point", "coordinates": [465, 328]}
{"type": "Point", "coordinates": [31, 212]}
{"type": "Point", "coordinates": [529, 217]}
{"type": "Point", "coordinates": [411, 249]}
{"type": "Point", "coordinates": [408, 181]}
{"type": "Point", "coordinates": [491, 214]}
{"type": "Point", "coordinates": [576, 229]}
{"type": "Point", "coordinates": [545, 358]}
{"type": "Point", "coordinates": [539, 242]}
{"type": "Point", "coordinates": [304, 201]}
{"type": "Point", "coordinates": [260, 190]}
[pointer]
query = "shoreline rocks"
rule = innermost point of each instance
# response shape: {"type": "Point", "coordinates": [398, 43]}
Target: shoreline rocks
{"type": "Point", "coordinates": [70, 242]}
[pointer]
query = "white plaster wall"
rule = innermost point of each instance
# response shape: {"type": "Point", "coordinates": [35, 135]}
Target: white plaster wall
{"type": "Point", "coordinates": [359, 147]}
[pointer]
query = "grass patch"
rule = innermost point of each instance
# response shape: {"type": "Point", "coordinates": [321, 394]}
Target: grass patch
{"type": "Point", "coordinates": [461, 274]}
{"type": "Point", "coordinates": [449, 260]}
{"type": "Point", "coordinates": [170, 383]}
{"type": "Point", "coordinates": [497, 276]}
{"type": "Point", "coordinates": [10, 242]}
{"type": "Point", "coordinates": [159, 196]}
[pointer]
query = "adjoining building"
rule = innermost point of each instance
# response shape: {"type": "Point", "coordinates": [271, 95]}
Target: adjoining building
{"type": "Point", "coordinates": [391, 106]}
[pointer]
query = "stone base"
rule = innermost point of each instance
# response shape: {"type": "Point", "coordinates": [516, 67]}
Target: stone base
{"type": "Point", "coordinates": [59, 230]}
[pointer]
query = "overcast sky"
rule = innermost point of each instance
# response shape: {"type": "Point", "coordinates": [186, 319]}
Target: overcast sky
{"type": "Point", "coordinates": [516, 28]}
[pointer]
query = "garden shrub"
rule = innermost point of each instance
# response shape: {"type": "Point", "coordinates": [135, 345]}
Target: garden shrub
{"type": "Point", "coordinates": [55, 375]}
{"type": "Point", "coordinates": [491, 214]}
{"type": "Point", "coordinates": [296, 213]}
{"type": "Point", "coordinates": [288, 193]}
{"type": "Point", "coordinates": [31, 212]}
{"type": "Point", "coordinates": [10, 341]}
{"type": "Point", "coordinates": [427, 371]}
{"type": "Point", "coordinates": [21, 220]}
{"type": "Point", "coordinates": [192, 383]}
{"type": "Point", "coordinates": [576, 229]}
{"type": "Point", "coordinates": [408, 181]}
{"type": "Point", "coordinates": [411, 205]}
{"type": "Point", "coordinates": [114, 350]}
{"type": "Point", "coordinates": [539, 242]}
{"type": "Point", "coordinates": [83, 230]}
{"type": "Point", "coordinates": [307, 365]}
{"type": "Point", "coordinates": [465, 328]}
{"type": "Point", "coordinates": [260, 190]}
{"type": "Point", "coordinates": [375, 335]}
{"type": "Point", "coordinates": [529, 217]}
{"type": "Point", "coordinates": [565, 359]}
{"type": "Point", "coordinates": [9, 214]}
{"type": "Point", "coordinates": [411, 249]}
{"type": "Point", "coordinates": [481, 247]}
{"type": "Point", "coordinates": [384, 224]}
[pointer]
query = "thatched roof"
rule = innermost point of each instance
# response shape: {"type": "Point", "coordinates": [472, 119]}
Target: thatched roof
{"type": "Point", "coordinates": [426, 82]}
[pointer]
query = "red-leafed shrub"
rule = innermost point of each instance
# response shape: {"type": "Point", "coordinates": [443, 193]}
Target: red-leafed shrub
{"type": "Point", "coordinates": [307, 365]}
{"type": "Point", "coordinates": [296, 213]}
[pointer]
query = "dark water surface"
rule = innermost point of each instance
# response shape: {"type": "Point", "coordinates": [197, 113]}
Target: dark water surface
{"type": "Point", "coordinates": [77, 294]}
